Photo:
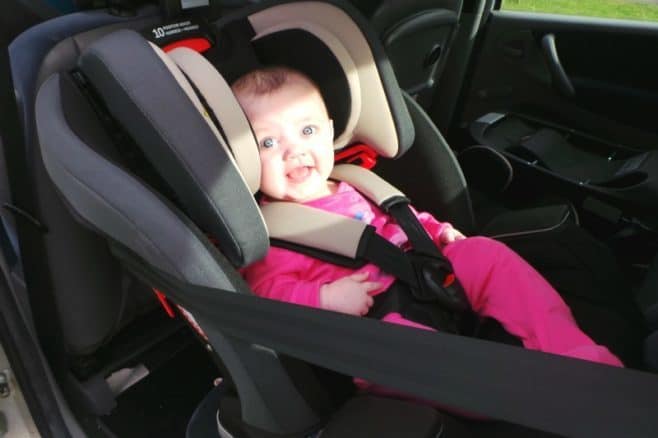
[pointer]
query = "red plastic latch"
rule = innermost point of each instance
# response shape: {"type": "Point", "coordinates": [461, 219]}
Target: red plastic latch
{"type": "Point", "coordinates": [359, 154]}
{"type": "Point", "coordinates": [163, 300]}
{"type": "Point", "coordinates": [450, 278]}
{"type": "Point", "coordinates": [198, 44]}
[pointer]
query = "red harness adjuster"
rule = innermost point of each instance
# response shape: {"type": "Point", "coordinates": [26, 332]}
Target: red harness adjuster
{"type": "Point", "coordinates": [450, 278]}
{"type": "Point", "coordinates": [359, 154]}
{"type": "Point", "coordinates": [197, 44]}
{"type": "Point", "coordinates": [165, 304]}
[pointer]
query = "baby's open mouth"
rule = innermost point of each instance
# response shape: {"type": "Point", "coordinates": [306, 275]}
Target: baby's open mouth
{"type": "Point", "coordinates": [300, 173]}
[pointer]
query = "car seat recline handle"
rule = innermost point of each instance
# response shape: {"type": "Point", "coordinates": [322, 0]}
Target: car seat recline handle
{"type": "Point", "coordinates": [560, 78]}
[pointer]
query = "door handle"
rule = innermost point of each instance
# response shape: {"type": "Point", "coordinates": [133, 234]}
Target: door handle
{"type": "Point", "coordinates": [560, 79]}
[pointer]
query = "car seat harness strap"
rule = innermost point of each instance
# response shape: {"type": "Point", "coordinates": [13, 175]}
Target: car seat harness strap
{"type": "Point", "coordinates": [436, 275]}
{"type": "Point", "coordinates": [425, 278]}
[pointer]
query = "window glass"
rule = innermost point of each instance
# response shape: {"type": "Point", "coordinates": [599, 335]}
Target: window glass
{"type": "Point", "coordinates": [624, 9]}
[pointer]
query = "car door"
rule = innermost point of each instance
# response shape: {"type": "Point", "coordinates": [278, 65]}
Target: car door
{"type": "Point", "coordinates": [567, 91]}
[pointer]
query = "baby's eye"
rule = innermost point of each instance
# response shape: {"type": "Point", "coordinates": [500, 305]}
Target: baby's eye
{"type": "Point", "coordinates": [268, 143]}
{"type": "Point", "coordinates": [309, 130]}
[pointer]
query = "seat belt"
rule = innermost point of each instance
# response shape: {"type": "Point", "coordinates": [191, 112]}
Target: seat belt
{"type": "Point", "coordinates": [551, 393]}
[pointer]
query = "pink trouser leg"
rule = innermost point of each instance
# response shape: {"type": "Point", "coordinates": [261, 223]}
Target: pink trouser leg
{"type": "Point", "coordinates": [501, 285]}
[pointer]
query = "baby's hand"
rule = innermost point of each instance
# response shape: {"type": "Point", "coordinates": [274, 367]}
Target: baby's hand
{"type": "Point", "coordinates": [450, 235]}
{"type": "Point", "coordinates": [350, 294]}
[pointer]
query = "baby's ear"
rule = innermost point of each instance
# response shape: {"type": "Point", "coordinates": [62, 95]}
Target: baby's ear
{"type": "Point", "coordinates": [331, 127]}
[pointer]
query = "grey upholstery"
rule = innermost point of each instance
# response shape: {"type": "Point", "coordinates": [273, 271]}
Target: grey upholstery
{"type": "Point", "coordinates": [179, 143]}
{"type": "Point", "coordinates": [87, 320]}
{"type": "Point", "coordinates": [90, 173]}
{"type": "Point", "coordinates": [113, 201]}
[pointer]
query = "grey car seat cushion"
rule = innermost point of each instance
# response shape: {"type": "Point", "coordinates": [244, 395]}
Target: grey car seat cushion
{"type": "Point", "coordinates": [185, 149]}
{"type": "Point", "coordinates": [110, 199]}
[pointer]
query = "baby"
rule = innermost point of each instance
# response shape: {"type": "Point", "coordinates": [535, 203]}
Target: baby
{"type": "Point", "coordinates": [295, 140]}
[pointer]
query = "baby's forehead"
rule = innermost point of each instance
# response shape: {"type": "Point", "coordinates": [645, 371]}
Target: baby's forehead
{"type": "Point", "coordinates": [287, 101]}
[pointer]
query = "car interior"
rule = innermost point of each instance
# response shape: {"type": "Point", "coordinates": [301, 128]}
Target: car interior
{"type": "Point", "coordinates": [129, 209]}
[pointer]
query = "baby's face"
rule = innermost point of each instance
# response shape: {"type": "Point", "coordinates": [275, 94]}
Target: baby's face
{"type": "Point", "coordinates": [295, 141]}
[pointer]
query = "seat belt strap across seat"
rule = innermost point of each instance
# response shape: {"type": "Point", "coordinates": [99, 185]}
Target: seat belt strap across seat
{"type": "Point", "coordinates": [551, 393]}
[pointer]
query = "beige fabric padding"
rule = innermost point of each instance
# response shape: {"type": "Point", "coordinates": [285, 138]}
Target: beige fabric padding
{"type": "Point", "coordinates": [370, 121]}
{"type": "Point", "coordinates": [189, 91]}
{"type": "Point", "coordinates": [314, 228]}
{"type": "Point", "coordinates": [222, 102]}
{"type": "Point", "coordinates": [371, 185]}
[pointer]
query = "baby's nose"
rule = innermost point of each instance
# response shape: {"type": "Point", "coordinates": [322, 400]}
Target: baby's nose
{"type": "Point", "coordinates": [295, 151]}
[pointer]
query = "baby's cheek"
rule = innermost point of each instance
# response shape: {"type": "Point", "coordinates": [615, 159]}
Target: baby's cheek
{"type": "Point", "coordinates": [272, 183]}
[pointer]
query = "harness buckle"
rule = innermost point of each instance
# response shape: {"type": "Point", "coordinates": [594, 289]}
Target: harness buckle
{"type": "Point", "coordinates": [437, 283]}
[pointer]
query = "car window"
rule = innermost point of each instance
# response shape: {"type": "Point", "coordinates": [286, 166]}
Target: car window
{"type": "Point", "coordinates": [62, 5]}
{"type": "Point", "coordinates": [625, 9]}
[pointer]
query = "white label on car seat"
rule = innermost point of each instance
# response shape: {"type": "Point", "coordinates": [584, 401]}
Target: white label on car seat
{"type": "Point", "coordinates": [173, 29]}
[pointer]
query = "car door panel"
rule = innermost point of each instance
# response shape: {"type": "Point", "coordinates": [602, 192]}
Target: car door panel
{"type": "Point", "coordinates": [573, 98]}
{"type": "Point", "coordinates": [608, 62]}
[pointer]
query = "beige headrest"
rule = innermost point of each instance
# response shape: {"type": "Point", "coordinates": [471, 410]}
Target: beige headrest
{"type": "Point", "coordinates": [221, 101]}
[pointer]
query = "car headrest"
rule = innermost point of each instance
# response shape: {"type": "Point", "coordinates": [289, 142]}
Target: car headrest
{"type": "Point", "coordinates": [333, 44]}
{"type": "Point", "coordinates": [149, 98]}
{"type": "Point", "coordinates": [330, 43]}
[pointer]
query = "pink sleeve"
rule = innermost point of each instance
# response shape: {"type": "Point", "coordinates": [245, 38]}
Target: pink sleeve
{"type": "Point", "coordinates": [431, 225]}
{"type": "Point", "coordinates": [279, 277]}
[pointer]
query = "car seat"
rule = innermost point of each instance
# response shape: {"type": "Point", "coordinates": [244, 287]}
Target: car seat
{"type": "Point", "coordinates": [417, 36]}
{"type": "Point", "coordinates": [206, 195]}
{"type": "Point", "coordinates": [92, 317]}
{"type": "Point", "coordinates": [546, 235]}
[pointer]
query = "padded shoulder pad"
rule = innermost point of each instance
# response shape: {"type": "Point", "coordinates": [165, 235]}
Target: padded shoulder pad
{"type": "Point", "coordinates": [107, 198]}
{"type": "Point", "coordinates": [149, 96]}
{"type": "Point", "coordinates": [314, 228]}
{"type": "Point", "coordinates": [335, 46]}
{"type": "Point", "coordinates": [367, 182]}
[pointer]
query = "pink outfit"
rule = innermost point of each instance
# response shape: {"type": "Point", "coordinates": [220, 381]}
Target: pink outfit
{"type": "Point", "coordinates": [497, 282]}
